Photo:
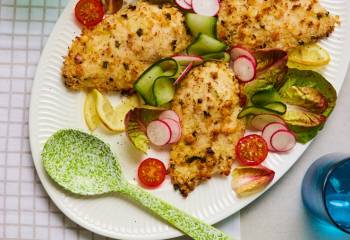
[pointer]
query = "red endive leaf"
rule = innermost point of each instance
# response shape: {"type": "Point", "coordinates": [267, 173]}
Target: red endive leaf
{"type": "Point", "coordinates": [268, 57]}
{"type": "Point", "coordinates": [136, 121]}
{"type": "Point", "coordinates": [249, 180]}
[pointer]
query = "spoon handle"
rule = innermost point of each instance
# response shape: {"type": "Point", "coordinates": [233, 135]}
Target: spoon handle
{"type": "Point", "coordinates": [179, 219]}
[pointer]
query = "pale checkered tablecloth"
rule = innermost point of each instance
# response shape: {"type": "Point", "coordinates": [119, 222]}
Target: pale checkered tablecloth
{"type": "Point", "coordinates": [26, 212]}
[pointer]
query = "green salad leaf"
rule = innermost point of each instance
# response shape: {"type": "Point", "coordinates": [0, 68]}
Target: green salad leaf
{"type": "Point", "coordinates": [304, 134]}
{"type": "Point", "coordinates": [275, 75]}
{"type": "Point", "coordinates": [299, 82]}
{"type": "Point", "coordinates": [303, 118]}
{"type": "Point", "coordinates": [271, 71]}
{"type": "Point", "coordinates": [307, 97]}
{"type": "Point", "coordinates": [311, 99]}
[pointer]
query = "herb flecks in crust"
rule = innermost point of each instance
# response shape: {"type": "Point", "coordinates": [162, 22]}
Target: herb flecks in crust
{"type": "Point", "coordinates": [207, 103]}
{"type": "Point", "coordinates": [129, 42]}
{"type": "Point", "coordinates": [273, 24]}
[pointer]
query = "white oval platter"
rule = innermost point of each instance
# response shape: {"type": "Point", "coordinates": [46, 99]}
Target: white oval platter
{"type": "Point", "coordinates": [53, 107]}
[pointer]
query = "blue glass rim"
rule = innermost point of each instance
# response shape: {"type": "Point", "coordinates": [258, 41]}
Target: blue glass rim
{"type": "Point", "coordinates": [324, 192]}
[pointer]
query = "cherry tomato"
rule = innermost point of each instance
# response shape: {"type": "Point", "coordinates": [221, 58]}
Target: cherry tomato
{"type": "Point", "coordinates": [89, 12]}
{"type": "Point", "coordinates": [151, 172]}
{"type": "Point", "coordinates": [251, 150]}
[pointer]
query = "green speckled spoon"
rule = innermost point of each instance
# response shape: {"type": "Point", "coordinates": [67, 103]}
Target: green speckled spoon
{"type": "Point", "coordinates": [85, 165]}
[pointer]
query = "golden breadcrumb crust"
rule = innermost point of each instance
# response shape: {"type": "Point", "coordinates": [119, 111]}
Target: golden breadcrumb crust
{"type": "Point", "coordinates": [207, 103]}
{"type": "Point", "coordinates": [112, 55]}
{"type": "Point", "coordinates": [273, 23]}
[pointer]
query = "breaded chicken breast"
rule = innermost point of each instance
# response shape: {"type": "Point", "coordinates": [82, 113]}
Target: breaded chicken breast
{"type": "Point", "coordinates": [112, 55]}
{"type": "Point", "coordinates": [208, 104]}
{"type": "Point", "coordinates": [273, 23]}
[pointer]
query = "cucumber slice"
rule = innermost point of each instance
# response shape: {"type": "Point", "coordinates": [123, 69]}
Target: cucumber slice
{"type": "Point", "coordinates": [266, 96]}
{"type": "Point", "coordinates": [204, 44]}
{"type": "Point", "coordinates": [163, 90]}
{"type": "Point", "coordinates": [201, 24]}
{"type": "Point", "coordinates": [184, 60]}
{"type": "Point", "coordinates": [167, 67]}
{"type": "Point", "coordinates": [144, 85]}
{"type": "Point", "coordinates": [217, 56]}
{"type": "Point", "coordinates": [247, 111]}
{"type": "Point", "coordinates": [278, 107]}
{"type": "Point", "coordinates": [170, 67]}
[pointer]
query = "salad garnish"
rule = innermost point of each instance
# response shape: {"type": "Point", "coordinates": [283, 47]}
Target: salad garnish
{"type": "Point", "coordinates": [248, 180]}
{"type": "Point", "coordinates": [99, 110]}
{"type": "Point", "coordinates": [166, 69]}
{"type": "Point", "coordinates": [308, 57]}
{"type": "Point", "coordinates": [251, 150]}
{"type": "Point", "coordinates": [151, 172]}
{"type": "Point", "coordinates": [148, 124]}
{"type": "Point", "coordinates": [89, 12]}
{"type": "Point", "coordinates": [286, 104]}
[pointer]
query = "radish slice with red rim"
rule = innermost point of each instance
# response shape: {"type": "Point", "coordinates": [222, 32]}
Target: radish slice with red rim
{"type": "Point", "coordinates": [175, 129]}
{"type": "Point", "coordinates": [169, 114]}
{"type": "Point", "coordinates": [158, 132]}
{"type": "Point", "coordinates": [258, 122]}
{"type": "Point", "coordinates": [189, 2]}
{"type": "Point", "coordinates": [187, 59]}
{"type": "Point", "coordinates": [183, 74]}
{"type": "Point", "coordinates": [283, 140]}
{"type": "Point", "coordinates": [183, 4]}
{"type": "Point", "coordinates": [239, 51]}
{"type": "Point", "coordinates": [269, 130]}
{"type": "Point", "coordinates": [244, 69]}
{"type": "Point", "coordinates": [206, 7]}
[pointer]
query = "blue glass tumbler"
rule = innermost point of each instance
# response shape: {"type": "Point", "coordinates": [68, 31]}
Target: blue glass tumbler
{"type": "Point", "coordinates": [326, 190]}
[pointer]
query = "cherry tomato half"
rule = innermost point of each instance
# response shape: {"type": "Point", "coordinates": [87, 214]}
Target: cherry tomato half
{"type": "Point", "coordinates": [251, 150]}
{"type": "Point", "coordinates": [151, 172]}
{"type": "Point", "coordinates": [89, 12]}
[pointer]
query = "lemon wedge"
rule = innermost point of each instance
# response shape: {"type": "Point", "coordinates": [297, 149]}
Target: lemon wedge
{"type": "Point", "coordinates": [113, 118]}
{"type": "Point", "coordinates": [132, 101]}
{"type": "Point", "coordinates": [90, 114]}
{"type": "Point", "coordinates": [311, 55]}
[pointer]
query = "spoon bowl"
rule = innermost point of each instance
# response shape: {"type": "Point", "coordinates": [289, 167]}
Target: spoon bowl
{"type": "Point", "coordinates": [83, 164]}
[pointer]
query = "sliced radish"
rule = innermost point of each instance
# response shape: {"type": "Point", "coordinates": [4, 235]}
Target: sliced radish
{"type": "Point", "coordinates": [260, 121]}
{"type": "Point", "coordinates": [239, 51]}
{"type": "Point", "coordinates": [184, 73]}
{"type": "Point", "coordinates": [269, 130]}
{"type": "Point", "coordinates": [169, 114]}
{"type": "Point", "coordinates": [189, 2]}
{"type": "Point", "coordinates": [244, 69]}
{"type": "Point", "coordinates": [175, 129]}
{"type": "Point", "coordinates": [206, 7]}
{"type": "Point", "coordinates": [283, 140]}
{"type": "Point", "coordinates": [183, 4]}
{"type": "Point", "coordinates": [187, 59]}
{"type": "Point", "coordinates": [159, 132]}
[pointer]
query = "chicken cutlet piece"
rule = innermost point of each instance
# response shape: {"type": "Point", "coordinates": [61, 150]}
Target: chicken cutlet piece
{"type": "Point", "coordinates": [112, 55]}
{"type": "Point", "coordinates": [207, 103]}
{"type": "Point", "coordinates": [273, 23]}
